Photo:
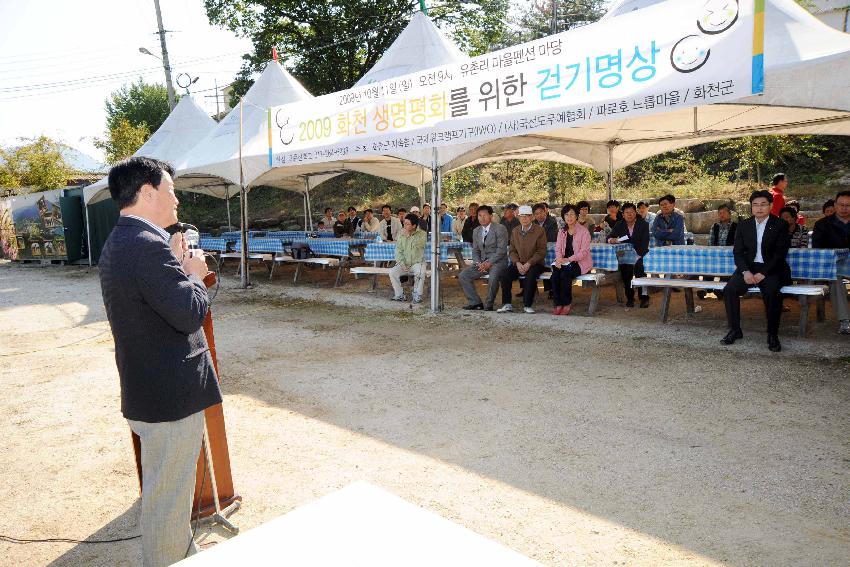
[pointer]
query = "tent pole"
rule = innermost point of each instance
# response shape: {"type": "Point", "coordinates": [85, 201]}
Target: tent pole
{"type": "Point", "coordinates": [610, 171]}
{"type": "Point", "coordinates": [304, 200]}
{"type": "Point", "coordinates": [309, 206]}
{"type": "Point", "coordinates": [227, 203]}
{"type": "Point", "coordinates": [243, 210]}
{"type": "Point", "coordinates": [436, 182]}
{"type": "Point", "coordinates": [88, 232]}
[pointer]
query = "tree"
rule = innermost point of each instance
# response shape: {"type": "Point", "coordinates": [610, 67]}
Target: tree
{"type": "Point", "coordinates": [38, 164]}
{"type": "Point", "coordinates": [331, 44]}
{"type": "Point", "coordinates": [536, 20]}
{"type": "Point", "coordinates": [140, 103]}
{"type": "Point", "coordinates": [122, 140]}
{"type": "Point", "coordinates": [133, 113]}
{"type": "Point", "coordinates": [754, 155]}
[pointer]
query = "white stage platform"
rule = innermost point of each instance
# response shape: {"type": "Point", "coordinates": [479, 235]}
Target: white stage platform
{"type": "Point", "coordinates": [360, 526]}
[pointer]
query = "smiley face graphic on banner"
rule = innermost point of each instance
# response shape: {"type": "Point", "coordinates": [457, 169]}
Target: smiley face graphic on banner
{"type": "Point", "coordinates": [689, 54]}
{"type": "Point", "coordinates": [718, 16]}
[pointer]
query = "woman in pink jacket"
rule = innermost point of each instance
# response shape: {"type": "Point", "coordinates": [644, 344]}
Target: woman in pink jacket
{"type": "Point", "coordinates": [572, 259]}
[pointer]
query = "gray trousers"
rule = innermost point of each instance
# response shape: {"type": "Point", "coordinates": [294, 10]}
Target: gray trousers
{"type": "Point", "coordinates": [838, 295]}
{"type": "Point", "coordinates": [467, 282]}
{"type": "Point", "coordinates": [169, 457]}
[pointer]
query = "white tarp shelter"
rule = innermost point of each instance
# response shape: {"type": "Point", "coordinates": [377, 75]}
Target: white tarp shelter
{"type": "Point", "coordinates": [807, 75]}
{"type": "Point", "coordinates": [421, 45]}
{"type": "Point", "coordinates": [185, 126]}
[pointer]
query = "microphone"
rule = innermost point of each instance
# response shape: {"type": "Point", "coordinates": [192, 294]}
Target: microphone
{"type": "Point", "coordinates": [191, 233]}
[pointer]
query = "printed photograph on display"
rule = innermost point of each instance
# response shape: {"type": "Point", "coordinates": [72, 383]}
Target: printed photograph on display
{"type": "Point", "coordinates": [8, 243]}
{"type": "Point", "coordinates": [38, 229]}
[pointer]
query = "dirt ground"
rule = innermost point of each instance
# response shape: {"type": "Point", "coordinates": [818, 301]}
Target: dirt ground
{"type": "Point", "coordinates": [605, 440]}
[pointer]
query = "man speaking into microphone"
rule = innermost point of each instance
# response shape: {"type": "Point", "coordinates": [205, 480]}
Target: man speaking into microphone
{"type": "Point", "coordinates": [156, 303]}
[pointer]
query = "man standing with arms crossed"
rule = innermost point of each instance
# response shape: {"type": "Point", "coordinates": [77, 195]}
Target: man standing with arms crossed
{"type": "Point", "coordinates": [156, 302]}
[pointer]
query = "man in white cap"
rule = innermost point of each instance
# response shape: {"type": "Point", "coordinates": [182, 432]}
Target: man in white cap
{"type": "Point", "coordinates": [528, 257]}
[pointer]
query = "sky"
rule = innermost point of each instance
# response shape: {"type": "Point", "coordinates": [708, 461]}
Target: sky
{"type": "Point", "coordinates": [60, 60]}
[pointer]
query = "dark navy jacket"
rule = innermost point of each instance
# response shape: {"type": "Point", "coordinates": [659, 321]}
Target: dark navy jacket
{"type": "Point", "coordinates": [156, 313]}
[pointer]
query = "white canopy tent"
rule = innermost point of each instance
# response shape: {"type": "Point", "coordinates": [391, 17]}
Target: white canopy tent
{"type": "Point", "coordinates": [807, 74]}
{"type": "Point", "coordinates": [187, 124]}
{"type": "Point", "coordinates": [181, 130]}
{"type": "Point", "coordinates": [421, 45]}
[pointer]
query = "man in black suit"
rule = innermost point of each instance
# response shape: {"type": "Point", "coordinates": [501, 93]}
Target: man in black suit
{"type": "Point", "coordinates": [761, 245]}
{"type": "Point", "coordinates": [632, 228]}
{"type": "Point", "coordinates": [156, 303]}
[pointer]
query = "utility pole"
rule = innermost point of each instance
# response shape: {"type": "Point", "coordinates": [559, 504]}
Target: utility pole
{"type": "Point", "coordinates": [554, 17]}
{"type": "Point", "coordinates": [165, 63]}
{"type": "Point", "coordinates": [217, 106]}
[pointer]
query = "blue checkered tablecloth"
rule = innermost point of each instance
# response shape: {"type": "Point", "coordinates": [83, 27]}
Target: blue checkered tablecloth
{"type": "Point", "coordinates": [263, 245]}
{"type": "Point", "coordinates": [806, 263]}
{"type": "Point", "coordinates": [365, 234]}
{"type": "Point", "coordinates": [210, 244]}
{"type": "Point", "coordinates": [844, 268]}
{"type": "Point", "coordinates": [385, 252]}
{"type": "Point", "coordinates": [333, 246]}
{"type": "Point", "coordinates": [605, 256]}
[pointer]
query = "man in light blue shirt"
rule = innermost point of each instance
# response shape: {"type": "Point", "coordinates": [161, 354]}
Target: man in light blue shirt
{"type": "Point", "coordinates": [445, 218]}
{"type": "Point", "coordinates": [669, 226]}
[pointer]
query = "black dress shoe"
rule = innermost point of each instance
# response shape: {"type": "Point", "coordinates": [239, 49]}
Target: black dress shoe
{"type": "Point", "coordinates": [476, 307]}
{"type": "Point", "coordinates": [630, 304]}
{"type": "Point", "coordinates": [773, 343]}
{"type": "Point", "coordinates": [644, 302]}
{"type": "Point", "coordinates": [732, 336]}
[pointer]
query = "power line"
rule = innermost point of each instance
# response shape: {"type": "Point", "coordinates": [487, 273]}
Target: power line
{"type": "Point", "coordinates": [67, 82]}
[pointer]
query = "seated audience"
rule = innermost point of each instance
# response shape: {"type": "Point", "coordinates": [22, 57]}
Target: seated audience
{"type": "Point", "coordinates": [471, 222]}
{"type": "Point", "coordinates": [799, 237]}
{"type": "Point", "coordinates": [669, 227]}
{"type": "Point", "coordinates": [634, 230]}
{"type": "Point", "coordinates": [390, 226]}
{"type": "Point", "coordinates": [489, 256]}
{"type": "Point", "coordinates": [425, 221]}
{"type": "Point", "coordinates": [833, 231]}
{"type": "Point", "coordinates": [583, 218]}
{"type": "Point", "coordinates": [458, 222]}
{"type": "Point", "coordinates": [528, 257]}
{"type": "Point", "coordinates": [645, 213]}
{"type": "Point", "coordinates": [546, 222]}
{"type": "Point", "coordinates": [800, 217]}
{"type": "Point", "coordinates": [446, 219]}
{"type": "Point", "coordinates": [369, 222]}
{"type": "Point", "coordinates": [614, 215]}
{"type": "Point", "coordinates": [723, 231]}
{"type": "Point", "coordinates": [509, 220]}
{"type": "Point", "coordinates": [342, 226]}
{"type": "Point", "coordinates": [409, 258]}
{"type": "Point", "coordinates": [353, 218]}
{"type": "Point", "coordinates": [572, 259]}
{"type": "Point", "coordinates": [761, 247]}
{"type": "Point", "coordinates": [828, 208]}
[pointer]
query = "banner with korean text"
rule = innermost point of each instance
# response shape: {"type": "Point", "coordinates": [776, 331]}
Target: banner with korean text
{"type": "Point", "coordinates": [673, 55]}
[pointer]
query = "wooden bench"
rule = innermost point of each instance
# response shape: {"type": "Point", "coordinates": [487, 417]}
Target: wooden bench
{"type": "Point", "coordinates": [238, 255]}
{"type": "Point", "coordinates": [374, 272]}
{"type": "Point", "coordinates": [594, 281]}
{"type": "Point", "coordinates": [803, 291]}
{"type": "Point", "coordinates": [313, 260]}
